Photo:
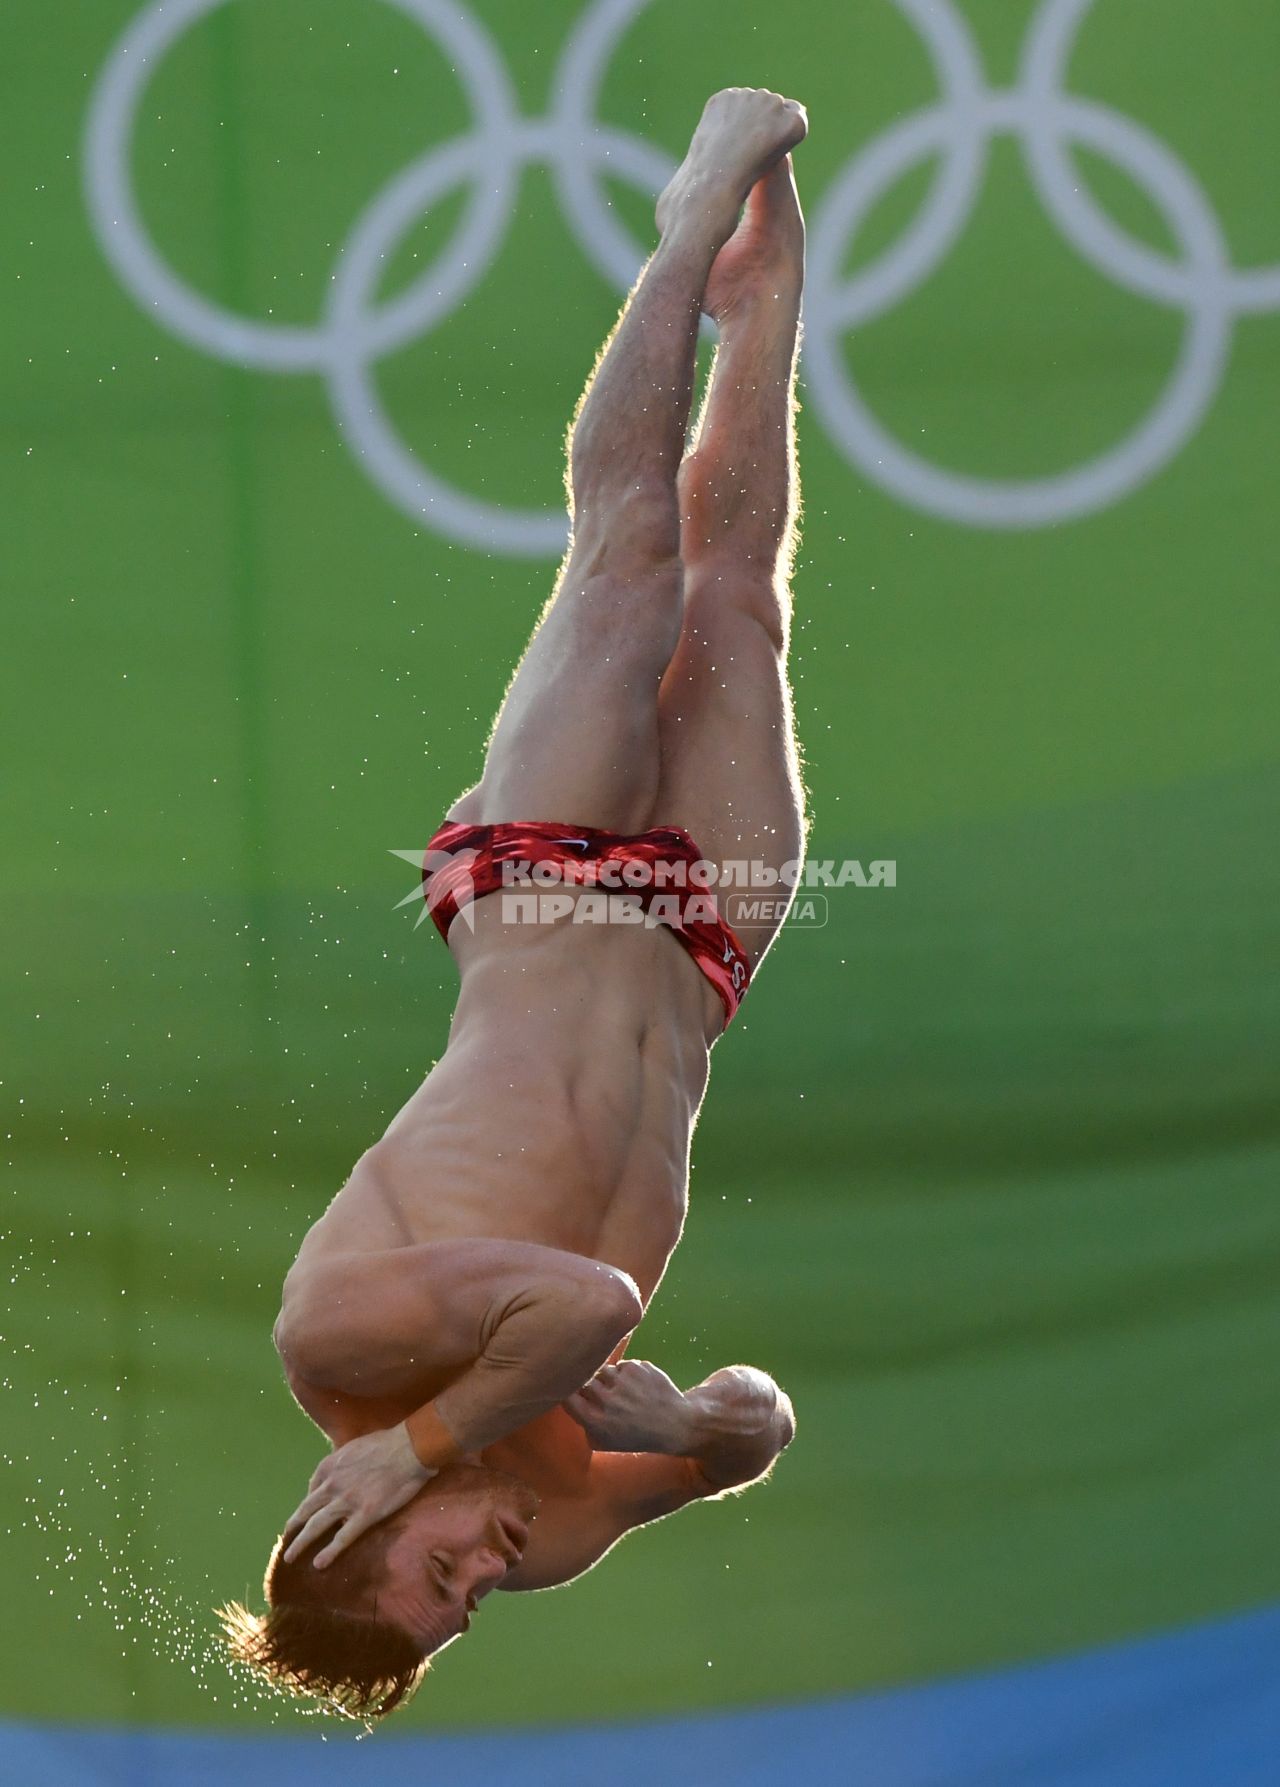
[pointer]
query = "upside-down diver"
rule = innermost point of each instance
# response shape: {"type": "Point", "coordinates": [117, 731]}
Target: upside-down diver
{"type": "Point", "coordinates": [456, 1321]}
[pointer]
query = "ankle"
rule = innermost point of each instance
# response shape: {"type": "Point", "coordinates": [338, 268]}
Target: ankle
{"type": "Point", "coordinates": [703, 215]}
{"type": "Point", "coordinates": [768, 309]}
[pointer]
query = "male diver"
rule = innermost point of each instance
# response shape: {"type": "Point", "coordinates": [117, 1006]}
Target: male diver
{"type": "Point", "coordinates": [456, 1321]}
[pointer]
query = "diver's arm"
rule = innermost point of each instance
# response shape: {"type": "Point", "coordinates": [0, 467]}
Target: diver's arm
{"type": "Point", "coordinates": [732, 1426]}
{"type": "Point", "coordinates": [541, 1340]}
{"type": "Point", "coordinates": [510, 1327]}
{"type": "Point", "coordinates": [656, 1449]}
{"type": "Point", "coordinates": [513, 1326]}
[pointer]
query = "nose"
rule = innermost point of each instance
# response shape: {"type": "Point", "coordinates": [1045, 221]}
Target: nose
{"type": "Point", "coordinates": [492, 1568]}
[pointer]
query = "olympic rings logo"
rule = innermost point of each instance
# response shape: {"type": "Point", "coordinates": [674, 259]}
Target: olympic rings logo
{"type": "Point", "coordinates": [355, 331]}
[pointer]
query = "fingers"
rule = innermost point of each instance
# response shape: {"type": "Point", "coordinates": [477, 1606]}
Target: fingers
{"type": "Point", "coordinates": [582, 1408]}
{"type": "Point", "coordinates": [589, 1412]}
{"type": "Point", "coordinates": [594, 1388]}
{"type": "Point", "coordinates": [303, 1512]}
{"type": "Point", "coordinates": [346, 1535]}
{"type": "Point", "coordinates": [319, 1522]}
{"type": "Point", "coordinates": [606, 1380]}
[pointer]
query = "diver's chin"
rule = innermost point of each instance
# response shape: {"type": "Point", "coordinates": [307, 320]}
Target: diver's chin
{"type": "Point", "coordinates": [514, 1493]}
{"type": "Point", "coordinates": [465, 1478]}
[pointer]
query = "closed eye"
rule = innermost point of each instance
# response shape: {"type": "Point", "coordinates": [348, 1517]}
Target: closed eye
{"type": "Point", "coordinates": [443, 1566]}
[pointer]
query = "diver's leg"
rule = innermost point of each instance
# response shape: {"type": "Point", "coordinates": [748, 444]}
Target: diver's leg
{"type": "Point", "coordinates": [577, 736]}
{"type": "Point", "coordinates": [730, 764]}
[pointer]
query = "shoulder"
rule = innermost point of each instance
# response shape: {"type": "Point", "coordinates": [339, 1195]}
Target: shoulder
{"type": "Point", "coordinates": [642, 1486]}
{"type": "Point", "coordinates": [621, 1491]}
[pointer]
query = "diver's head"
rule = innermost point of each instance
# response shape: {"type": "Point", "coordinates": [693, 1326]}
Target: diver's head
{"type": "Point", "coordinates": [360, 1633]}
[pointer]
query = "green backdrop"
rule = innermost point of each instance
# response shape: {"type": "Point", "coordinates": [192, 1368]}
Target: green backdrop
{"type": "Point", "coordinates": [987, 1174]}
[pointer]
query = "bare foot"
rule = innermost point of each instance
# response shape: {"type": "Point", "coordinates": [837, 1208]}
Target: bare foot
{"type": "Point", "coordinates": [764, 257]}
{"type": "Point", "coordinates": [743, 131]}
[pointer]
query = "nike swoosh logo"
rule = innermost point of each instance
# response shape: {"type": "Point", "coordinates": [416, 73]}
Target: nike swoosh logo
{"type": "Point", "coordinates": [573, 843]}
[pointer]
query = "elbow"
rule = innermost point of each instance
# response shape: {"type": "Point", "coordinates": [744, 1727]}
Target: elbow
{"type": "Point", "coordinates": [290, 1336]}
{"type": "Point", "coordinates": [302, 1338]}
{"type": "Point", "coordinates": [584, 1320]}
{"type": "Point", "coordinates": [610, 1305]}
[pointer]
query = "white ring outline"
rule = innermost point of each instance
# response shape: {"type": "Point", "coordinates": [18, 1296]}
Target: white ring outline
{"type": "Point", "coordinates": [356, 331]}
{"type": "Point", "coordinates": [1033, 502]}
{"type": "Point", "coordinates": [147, 276]}
{"type": "Point", "coordinates": [346, 343]}
{"type": "Point", "coordinates": [1045, 60]}
{"type": "Point", "coordinates": [1042, 116]}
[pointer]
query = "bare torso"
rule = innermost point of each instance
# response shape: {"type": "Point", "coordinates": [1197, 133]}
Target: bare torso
{"type": "Point", "coordinates": [562, 1109]}
{"type": "Point", "coordinates": [560, 1113]}
{"type": "Point", "coordinates": [546, 1154]}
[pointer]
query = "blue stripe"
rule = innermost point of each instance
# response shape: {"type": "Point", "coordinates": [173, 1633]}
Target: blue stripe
{"type": "Point", "coordinates": [1198, 1708]}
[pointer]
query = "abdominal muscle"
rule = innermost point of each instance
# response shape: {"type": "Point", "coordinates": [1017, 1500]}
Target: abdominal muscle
{"type": "Point", "coordinates": [561, 1111]}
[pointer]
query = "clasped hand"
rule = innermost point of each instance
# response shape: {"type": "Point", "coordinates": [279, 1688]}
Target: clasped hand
{"type": "Point", "coordinates": [352, 1489]}
{"type": "Point", "coordinates": [632, 1407]}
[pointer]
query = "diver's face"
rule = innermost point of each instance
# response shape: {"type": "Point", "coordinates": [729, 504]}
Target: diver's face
{"type": "Point", "coordinates": [454, 1543]}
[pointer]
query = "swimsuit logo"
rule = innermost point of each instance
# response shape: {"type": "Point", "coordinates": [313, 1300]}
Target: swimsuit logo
{"type": "Point", "coordinates": [355, 331]}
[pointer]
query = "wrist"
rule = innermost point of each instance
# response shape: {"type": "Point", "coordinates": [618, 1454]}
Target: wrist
{"type": "Point", "coordinates": [432, 1442]}
{"type": "Point", "coordinates": [685, 1427]}
{"type": "Point", "coordinates": [712, 1418]}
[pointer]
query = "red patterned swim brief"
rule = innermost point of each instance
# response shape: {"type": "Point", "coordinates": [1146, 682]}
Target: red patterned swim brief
{"type": "Point", "coordinates": [485, 858]}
